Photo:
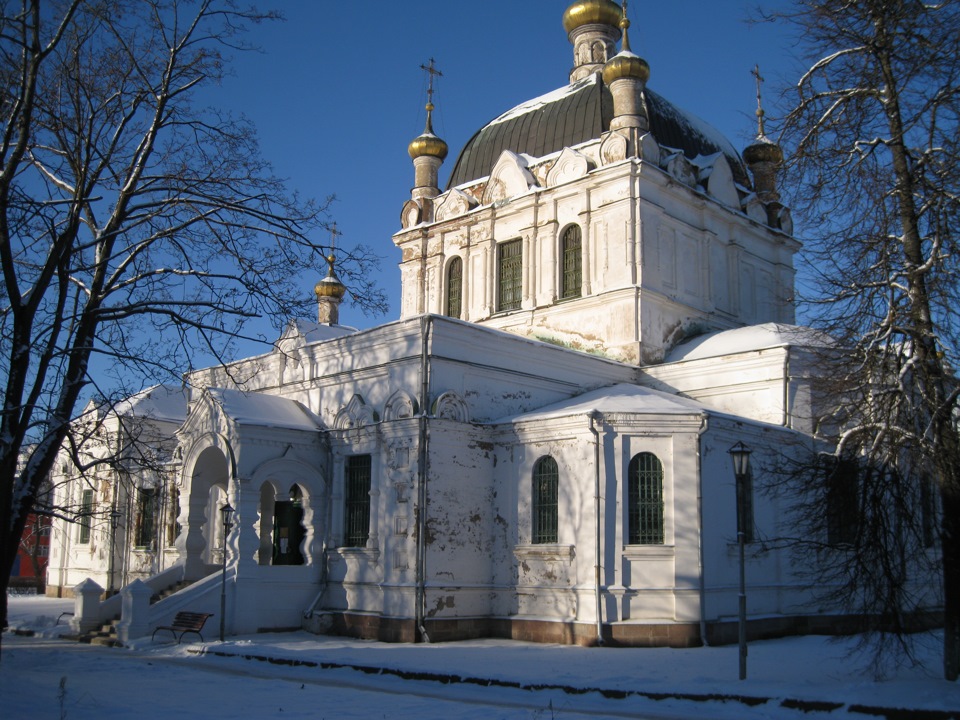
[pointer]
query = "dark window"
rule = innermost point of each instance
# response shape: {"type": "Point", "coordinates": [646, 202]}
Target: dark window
{"type": "Point", "coordinates": [357, 515]}
{"type": "Point", "coordinates": [454, 287]}
{"type": "Point", "coordinates": [288, 532]}
{"type": "Point", "coordinates": [146, 517]}
{"type": "Point", "coordinates": [572, 274]}
{"type": "Point", "coordinates": [842, 500]}
{"type": "Point", "coordinates": [645, 501]}
{"type": "Point", "coordinates": [510, 265]}
{"type": "Point", "coordinates": [173, 524]}
{"type": "Point", "coordinates": [546, 481]}
{"type": "Point", "coordinates": [86, 515]}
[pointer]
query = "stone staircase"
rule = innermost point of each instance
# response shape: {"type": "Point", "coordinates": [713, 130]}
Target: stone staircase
{"type": "Point", "coordinates": [107, 634]}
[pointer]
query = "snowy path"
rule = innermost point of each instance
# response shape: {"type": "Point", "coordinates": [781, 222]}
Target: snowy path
{"type": "Point", "coordinates": [103, 683]}
{"type": "Point", "coordinates": [329, 677]}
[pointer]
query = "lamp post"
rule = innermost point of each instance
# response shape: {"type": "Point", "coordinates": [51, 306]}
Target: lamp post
{"type": "Point", "coordinates": [114, 521]}
{"type": "Point", "coordinates": [740, 454]}
{"type": "Point", "coordinates": [226, 513]}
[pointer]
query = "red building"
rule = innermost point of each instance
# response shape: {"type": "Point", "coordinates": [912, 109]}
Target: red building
{"type": "Point", "coordinates": [30, 567]}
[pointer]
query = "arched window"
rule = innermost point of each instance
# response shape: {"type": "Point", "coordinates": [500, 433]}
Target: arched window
{"type": "Point", "coordinates": [454, 287]}
{"type": "Point", "coordinates": [288, 531]}
{"type": "Point", "coordinates": [510, 280]}
{"type": "Point", "coordinates": [546, 481]}
{"type": "Point", "coordinates": [645, 500]}
{"type": "Point", "coordinates": [572, 262]}
{"type": "Point", "coordinates": [357, 475]}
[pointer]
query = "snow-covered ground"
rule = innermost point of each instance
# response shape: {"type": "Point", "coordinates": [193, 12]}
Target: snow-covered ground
{"type": "Point", "coordinates": [325, 677]}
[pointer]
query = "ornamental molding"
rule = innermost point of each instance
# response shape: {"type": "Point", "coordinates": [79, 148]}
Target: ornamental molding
{"type": "Point", "coordinates": [355, 414]}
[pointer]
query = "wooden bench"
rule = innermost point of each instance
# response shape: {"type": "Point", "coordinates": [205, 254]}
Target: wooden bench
{"type": "Point", "coordinates": [185, 622]}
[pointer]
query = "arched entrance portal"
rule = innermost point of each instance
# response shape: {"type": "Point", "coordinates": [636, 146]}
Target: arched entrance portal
{"type": "Point", "coordinates": [201, 542]}
{"type": "Point", "coordinates": [288, 531]}
{"type": "Point", "coordinates": [282, 530]}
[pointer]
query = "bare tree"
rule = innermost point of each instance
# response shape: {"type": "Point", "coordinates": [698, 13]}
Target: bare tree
{"type": "Point", "coordinates": [140, 231]}
{"type": "Point", "coordinates": [872, 134]}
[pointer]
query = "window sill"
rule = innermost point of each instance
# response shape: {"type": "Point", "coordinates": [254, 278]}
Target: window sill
{"type": "Point", "coordinates": [355, 553]}
{"type": "Point", "coordinates": [545, 551]}
{"type": "Point", "coordinates": [640, 552]}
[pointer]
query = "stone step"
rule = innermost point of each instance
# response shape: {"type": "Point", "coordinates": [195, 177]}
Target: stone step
{"type": "Point", "coordinates": [105, 641]}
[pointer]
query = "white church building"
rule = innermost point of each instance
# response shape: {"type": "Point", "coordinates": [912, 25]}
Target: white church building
{"type": "Point", "coordinates": [594, 311]}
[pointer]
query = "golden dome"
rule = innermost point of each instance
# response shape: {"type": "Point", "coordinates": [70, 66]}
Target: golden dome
{"type": "Point", "coordinates": [585, 12]}
{"type": "Point", "coordinates": [330, 286]}
{"type": "Point", "coordinates": [626, 65]}
{"type": "Point", "coordinates": [428, 143]}
{"type": "Point", "coordinates": [763, 150]}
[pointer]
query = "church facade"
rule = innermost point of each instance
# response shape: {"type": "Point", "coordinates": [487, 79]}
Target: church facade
{"type": "Point", "coordinates": [592, 314]}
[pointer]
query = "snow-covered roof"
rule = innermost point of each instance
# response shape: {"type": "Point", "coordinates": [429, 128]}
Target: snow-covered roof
{"type": "Point", "coordinates": [160, 402]}
{"type": "Point", "coordinates": [264, 410]}
{"type": "Point", "coordinates": [747, 339]}
{"type": "Point", "coordinates": [615, 399]}
{"type": "Point", "coordinates": [315, 332]}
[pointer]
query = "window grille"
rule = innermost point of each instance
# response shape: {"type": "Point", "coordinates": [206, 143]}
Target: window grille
{"type": "Point", "coordinates": [546, 481]}
{"type": "Point", "coordinates": [454, 287]}
{"type": "Point", "coordinates": [645, 501]}
{"type": "Point", "coordinates": [510, 263]}
{"type": "Point", "coordinates": [86, 515]}
{"type": "Point", "coordinates": [173, 524]}
{"type": "Point", "coordinates": [842, 500]}
{"type": "Point", "coordinates": [357, 516]}
{"type": "Point", "coordinates": [146, 517]}
{"type": "Point", "coordinates": [572, 263]}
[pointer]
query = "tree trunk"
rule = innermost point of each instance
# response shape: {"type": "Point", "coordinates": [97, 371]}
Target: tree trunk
{"type": "Point", "coordinates": [949, 537]}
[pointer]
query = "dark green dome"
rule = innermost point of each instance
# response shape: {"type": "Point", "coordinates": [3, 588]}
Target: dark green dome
{"type": "Point", "coordinates": [576, 114]}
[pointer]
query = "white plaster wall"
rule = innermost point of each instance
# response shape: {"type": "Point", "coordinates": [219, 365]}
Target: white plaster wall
{"type": "Point", "coordinates": [704, 264]}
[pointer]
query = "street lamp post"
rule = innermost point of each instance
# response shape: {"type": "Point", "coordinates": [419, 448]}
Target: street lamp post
{"type": "Point", "coordinates": [226, 513]}
{"type": "Point", "coordinates": [740, 454]}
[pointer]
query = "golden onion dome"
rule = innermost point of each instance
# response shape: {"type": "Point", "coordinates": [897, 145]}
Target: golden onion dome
{"type": "Point", "coordinates": [626, 65]}
{"type": "Point", "coordinates": [586, 12]}
{"type": "Point", "coordinates": [427, 143]}
{"type": "Point", "coordinates": [763, 150]}
{"type": "Point", "coordinates": [330, 286]}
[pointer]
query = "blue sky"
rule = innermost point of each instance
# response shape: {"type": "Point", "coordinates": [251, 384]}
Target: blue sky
{"type": "Point", "coordinates": [337, 92]}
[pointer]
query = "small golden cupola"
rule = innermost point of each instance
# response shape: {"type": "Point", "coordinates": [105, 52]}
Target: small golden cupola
{"type": "Point", "coordinates": [593, 27]}
{"type": "Point", "coordinates": [330, 290]}
{"type": "Point", "coordinates": [763, 158]}
{"type": "Point", "coordinates": [626, 75]}
{"type": "Point", "coordinates": [428, 152]}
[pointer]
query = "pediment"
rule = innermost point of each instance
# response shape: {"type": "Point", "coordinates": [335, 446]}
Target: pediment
{"type": "Point", "coordinates": [717, 178]}
{"type": "Point", "coordinates": [450, 406]}
{"type": "Point", "coordinates": [411, 214]}
{"type": "Point", "coordinates": [571, 165]}
{"type": "Point", "coordinates": [453, 204]}
{"type": "Point", "coordinates": [510, 177]}
{"type": "Point", "coordinates": [755, 209]}
{"type": "Point", "coordinates": [355, 414]}
{"type": "Point", "coordinates": [679, 168]}
{"type": "Point", "coordinates": [400, 405]}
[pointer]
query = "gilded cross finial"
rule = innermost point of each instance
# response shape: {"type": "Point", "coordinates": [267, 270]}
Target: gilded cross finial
{"type": "Point", "coordinates": [431, 70]}
{"type": "Point", "coordinates": [334, 232]}
{"type": "Point", "coordinates": [756, 74]}
{"type": "Point", "coordinates": [625, 25]}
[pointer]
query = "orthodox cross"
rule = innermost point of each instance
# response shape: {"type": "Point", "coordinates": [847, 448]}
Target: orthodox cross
{"type": "Point", "coordinates": [756, 73]}
{"type": "Point", "coordinates": [432, 72]}
{"type": "Point", "coordinates": [334, 232]}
